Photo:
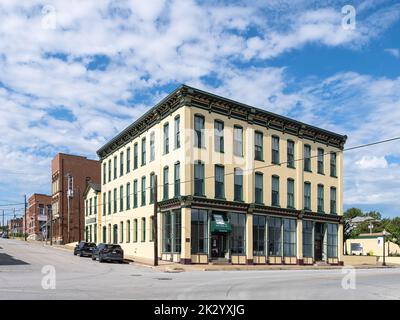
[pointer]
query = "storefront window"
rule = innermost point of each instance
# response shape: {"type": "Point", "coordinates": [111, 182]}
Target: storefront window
{"type": "Point", "coordinates": [238, 224]}
{"type": "Point", "coordinates": [274, 236]}
{"type": "Point", "coordinates": [307, 239]}
{"type": "Point", "coordinates": [332, 240]}
{"type": "Point", "coordinates": [259, 223]}
{"type": "Point", "coordinates": [289, 237]}
{"type": "Point", "coordinates": [172, 231]}
{"type": "Point", "coordinates": [199, 231]}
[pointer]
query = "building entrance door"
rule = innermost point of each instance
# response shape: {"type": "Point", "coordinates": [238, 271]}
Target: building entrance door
{"type": "Point", "coordinates": [318, 250]}
{"type": "Point", "coordinates": [218, 245]}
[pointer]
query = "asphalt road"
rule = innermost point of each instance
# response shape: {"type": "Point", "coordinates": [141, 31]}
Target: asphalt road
{"type": "Point", "coordinates": [26, 272]}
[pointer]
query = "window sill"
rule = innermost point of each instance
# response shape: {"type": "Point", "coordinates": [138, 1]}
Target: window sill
{"type": "Point", "coordinates": [261, 160]}
{"type": "Point", "coordinates": [332, 176]}
{"type": "Point", "coordinates": [260, 203]}
{"type": "Point", "coordinates": [220, 198]}
{"type": "Point", "coordinates": [291, 167]}
{"type": "Point", "coordinates": [276, 163]}
{"type": "Point", "coordinates": [275, 205]}
{"type": "Point", "coordinates": [321, 173]}
{"type": "Point", "coordinates": [306, 170]}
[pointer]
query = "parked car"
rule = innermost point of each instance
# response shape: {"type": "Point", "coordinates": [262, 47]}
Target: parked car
{"type": "Point", "coordinates": [4, 235]}
{"type": "Point", "coordinates": [108, 252]}
{"type": "Point", "coordinates": [84, 248]}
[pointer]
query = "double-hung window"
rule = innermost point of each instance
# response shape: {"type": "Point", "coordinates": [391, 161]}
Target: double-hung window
{"type": "Point", "coordinates": [219, 136]}
{"type": "Point", "coordinates": [320, 161]}
{"type": "Point", "coordinates": [121, 164]}
{"type": "Point", "coordinates": [177, 179]}
{"type": "Point", "coordinates": [128, 160]}
{"type": "Point", "coordinates": [166, 138]}
{"type": "Point", "coordinates": [333, 164]}
{"type": "Point", "coordinates": [275, 150]}
{"type": "Point", "coordinates": [275, 190]}
{"type": "Point", "coordinates": [307, 196]}
{"type": "Point", "coordinates": [307, 158]}
{"type": "Point", "coordinates": [238, 141]}
{"type": "Point", "coordinates": [152, 150]}
{"type": "Point", "coordinates": [238, 184]}
{"type": "Point", "coordinates": [258, 181]}
{"type": "Point", "coordinates": [290, 154]}
{"type": "Point", "coordinates": [143, 151]}
{"type": "Point", "coordinates": [143, 191]}
{"type": "Point", "coordinates": [219, 181]}
{"type": "Point", "coordinates": [177, 139]}
{"type": "Point", "coordinates": [135, 156]}
{"type": "Point", "coordinates": [258, 146]}
{"type": "Point", "coordinates": [199, 131]}
{"type": "Point", "coordinates": [320, 198]}
{"type": "Point", "coordinates": [333, 200]}
{"type": "Point", "coordinates": [166, 183]}
{"type": "Point", "coordinates": [290, 193]}
{"type": "Point", "coordinates": [199, 178]}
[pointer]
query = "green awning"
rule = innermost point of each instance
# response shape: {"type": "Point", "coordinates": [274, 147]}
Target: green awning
{"type": "Point", "coordinates": [219, 224]}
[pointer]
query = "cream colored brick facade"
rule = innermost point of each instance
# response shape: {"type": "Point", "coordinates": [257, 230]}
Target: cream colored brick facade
{"type": "Point", "coordinates": [185, 103]}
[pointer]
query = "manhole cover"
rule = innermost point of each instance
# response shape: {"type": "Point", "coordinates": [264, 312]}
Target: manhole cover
{"type": "Point", "coordinates": [164, 278]}
{"type": "Point", "coordinates": [135, 275]}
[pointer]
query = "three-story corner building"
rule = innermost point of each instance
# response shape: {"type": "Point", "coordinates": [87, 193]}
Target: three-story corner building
{"type": "Point", "coordinates": [235, 183]}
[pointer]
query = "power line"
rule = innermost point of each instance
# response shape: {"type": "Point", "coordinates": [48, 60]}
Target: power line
{"type": "Point", "coordinates": [245, 170]}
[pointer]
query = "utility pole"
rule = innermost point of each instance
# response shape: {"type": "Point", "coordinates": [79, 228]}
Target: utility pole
{"type": "Point", "coordinates": [79, 214]}
{"type": "Point", "coordinates": [51, 226]}
{"type": "Point", "coordinates": [2, 224]}
{"type": "Point", "coordinates": [155, 222]}
{"type": "Point", "coordinates": [25, 217]}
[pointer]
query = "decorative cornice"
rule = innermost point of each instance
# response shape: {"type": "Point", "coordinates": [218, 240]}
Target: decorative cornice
{"type": "Point", "coordinates": [188, 96]}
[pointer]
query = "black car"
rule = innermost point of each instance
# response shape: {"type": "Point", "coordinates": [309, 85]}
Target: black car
{"type": "Point", "coordinates": [108, 252]}
{"type": "Point", "coordinates": [84, 248]}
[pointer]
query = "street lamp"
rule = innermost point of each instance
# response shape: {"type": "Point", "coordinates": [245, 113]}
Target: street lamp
{"type": "Point", "coordinates": [384, 233]}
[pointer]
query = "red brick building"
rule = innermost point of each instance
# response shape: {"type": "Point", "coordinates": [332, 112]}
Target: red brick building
{"type": "Point", "coordinates": [38, 211]}
{"type": "Point", "coordinates": [70, 175]}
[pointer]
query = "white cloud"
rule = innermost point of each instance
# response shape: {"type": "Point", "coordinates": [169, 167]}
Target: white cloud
{"type": "Point", "coordinates": [372, 163]}
{"type": "Point", "coordinates": [395, 52]}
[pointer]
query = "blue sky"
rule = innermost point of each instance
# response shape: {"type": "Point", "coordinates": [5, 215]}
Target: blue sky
{"type": "Point", "coordinates": [73, 74]}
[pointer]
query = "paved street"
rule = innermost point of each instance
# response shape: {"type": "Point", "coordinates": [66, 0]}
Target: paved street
{"type": "Point", "coordinates": [81, 278]}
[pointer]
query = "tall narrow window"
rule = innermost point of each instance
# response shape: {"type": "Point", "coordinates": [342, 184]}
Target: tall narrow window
{"type": "Point", "coordinates": [307, 196]}
{"type": "Point", "coordinates": [333, 164]}
{"type": "Point", "coordinates": [320, 198]}
{"type": "Point", "coordinates": [289, 237]}
{"type": "Point", "coordinates": [128, 160]}
{"type": "Point", "coordinates": [109, 170]}
{"type": "Point", "coordinates": [152, 146]}
{"type": "Point", "coordinates": [238, 184]}
{"type": "Point", "coordinates": [307, 238]}
{"type": "Point", "coordinates": [121, 164]}
{"type": "Point", "coordinates": [198, 178]}
{"type": "Point", "coordinates": [95, 205]}
{"type": "Point", "coordinates": [104, 203]}
{"type": "Point", "coordinates": [274, 236]}
{"type": "Point", "coordinates": [238, 141]}
{"type": "Point", "coordinates": [143, 151]}
{"type": "Point", "coordinates": [121, 227]}
{"type": "Point", "coordinates": [333, 200]}
{"type": "Point", "coordinates": [166, 183]}
{"type": "Point", "coordinates": [128, 231]}
{"type": "Point", "coordinates": [115, 200]}
{"type": "Point", "coordinates": [307, 158]}
{"type": "Point", "coordinates": [143, 190]}
{"type": "Point", "coordinates": [152, 187]}
{"type": "Point", "coordinates": [115, 167]}
{"type": "Point", "coordinates": [258, 146]}
{"type": "Point", "coordinates": [135, 193]}
{"type": "Point", "coordinates": [332, 243]}
{"type": "Point", "coordinates": [135, 156]}
{"type": "Point", "coordinates": [166, 138]}
{"type": "Point", "coordinates": [259, 224]}
{"type": "Point", "coordinates": [143, 229]}
{"type": "Point", "coordinates": [199, 131]}
{"type": "Point", "coordinates": [290, 193]}
{"type": "Point", "coordinates": [109, 202]}
{"type": "Point", "coordinates": [151, 228]}
{"type": "Point", "coordinates": [121, 198]}
{"type": "Point", "coordinates": [290, 154]}
{"type": "Point", "coordinates": [258, 187]}
{"type": "Point", "coordinates": [219, 136]}
{"type": "Point", "coordinates": [135, 230]}
{"type": "Point", "coordinates": [275, 191]}
{"type": "Point", "coordinates": [128, 196]}
{"type": "Point", "coordinates": [219, 181]}
{"type": "Point", "coordinates": [238, 234]}
{"type": "Point", "coordinates": [320, 161]}
{"type": "Point", "coordinates": [104, 173]}
{"type": "Point", "coordinates": [177, 179]}
{"type": "Point", "coordinates": [199, 228]}
{"type": "Point", "coordinates": [275, 149]}
{"type": "Point", "coordinates": [177, 134]}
